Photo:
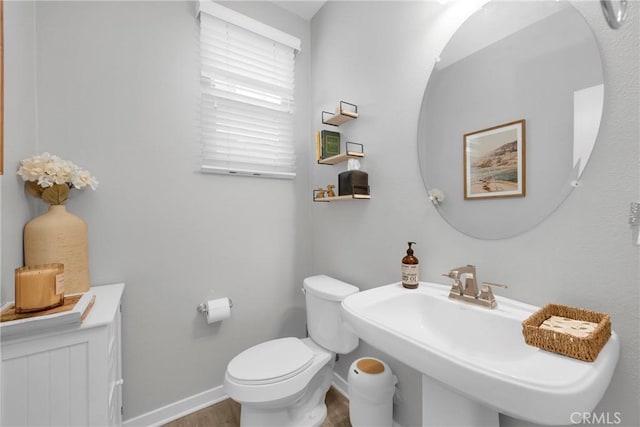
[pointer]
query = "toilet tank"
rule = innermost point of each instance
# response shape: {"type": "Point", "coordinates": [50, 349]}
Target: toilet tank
{"type": "Point", "coordinates": [323, 296]}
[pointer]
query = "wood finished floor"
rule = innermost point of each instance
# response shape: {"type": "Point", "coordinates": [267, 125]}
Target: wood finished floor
{"type": "Point", "coordinates": [227, 413]}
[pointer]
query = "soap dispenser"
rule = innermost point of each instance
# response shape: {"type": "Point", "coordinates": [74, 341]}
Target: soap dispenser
{"type": "Point", "coordinates": [410, 269]}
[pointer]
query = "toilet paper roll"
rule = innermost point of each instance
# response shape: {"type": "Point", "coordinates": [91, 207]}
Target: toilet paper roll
{"type": "Point", "coordinates": [218, 309]}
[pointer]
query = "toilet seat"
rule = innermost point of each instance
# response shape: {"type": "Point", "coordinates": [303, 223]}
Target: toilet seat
{"type": "Point", "coordinates": [270, 362]}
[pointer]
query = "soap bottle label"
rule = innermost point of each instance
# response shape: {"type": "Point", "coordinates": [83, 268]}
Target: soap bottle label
{"type": "Point", "coordinates": [410, 274]}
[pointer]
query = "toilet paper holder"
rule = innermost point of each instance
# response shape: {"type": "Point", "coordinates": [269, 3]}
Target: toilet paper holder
{"type": "Point", "coordinates": [202, 308]}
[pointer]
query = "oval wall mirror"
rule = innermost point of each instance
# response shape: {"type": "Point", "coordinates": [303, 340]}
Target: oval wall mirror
{"type": "Point", "coordinates": [535, 63]}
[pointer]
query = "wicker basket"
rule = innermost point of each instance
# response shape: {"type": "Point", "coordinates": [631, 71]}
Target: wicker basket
{"type": "Point", "coordinates": [582, 348]}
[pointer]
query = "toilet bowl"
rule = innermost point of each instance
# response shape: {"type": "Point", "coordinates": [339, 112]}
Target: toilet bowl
{"type": "Point", "coordinates": [283, 382]}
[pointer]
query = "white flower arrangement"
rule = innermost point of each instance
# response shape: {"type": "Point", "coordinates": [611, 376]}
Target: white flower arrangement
{"type": "Point", "coordinates": [436, 196]}
{"type": "Point", "coordinates": [49, 177]}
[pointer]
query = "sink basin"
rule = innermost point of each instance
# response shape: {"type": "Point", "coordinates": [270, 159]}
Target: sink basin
{"type": "Point", "coordinates": [480, 353]}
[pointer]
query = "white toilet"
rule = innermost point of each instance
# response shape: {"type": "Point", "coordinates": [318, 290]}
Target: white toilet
{"type": "Point", "coordinates": [283, 382]}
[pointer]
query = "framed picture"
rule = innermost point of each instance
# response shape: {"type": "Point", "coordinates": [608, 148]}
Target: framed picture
{"type": "Point", "coordinates": [494, 162]}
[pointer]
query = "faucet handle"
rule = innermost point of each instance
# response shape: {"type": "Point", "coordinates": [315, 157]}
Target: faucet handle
{"type": "Point", "coordinates": [456, 287]}
{"type": "Point", "coordinates": [489, 285]}
{"type": "Point", "coordinates": [487, 295]}
{"type": "Point", "coordinates": [453, 274]}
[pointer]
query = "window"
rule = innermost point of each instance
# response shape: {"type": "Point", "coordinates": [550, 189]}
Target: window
{"type": "Point", "coordinates": [247, 88]}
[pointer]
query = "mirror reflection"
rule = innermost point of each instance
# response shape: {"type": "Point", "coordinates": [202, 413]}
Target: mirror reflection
{"type": "Point", "coordinates": [510, 61]}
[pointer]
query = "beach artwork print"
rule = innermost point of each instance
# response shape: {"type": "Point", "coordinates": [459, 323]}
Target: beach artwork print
{"type": "Point", "coordinates": [494, 161]}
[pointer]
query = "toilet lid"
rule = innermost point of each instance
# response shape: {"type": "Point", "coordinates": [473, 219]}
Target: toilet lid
{"type": "Point", "coordinates": [270, 361]}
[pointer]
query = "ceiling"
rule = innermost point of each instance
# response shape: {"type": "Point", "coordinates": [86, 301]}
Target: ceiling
{"type": "Point", "coordinates": [304, 9]}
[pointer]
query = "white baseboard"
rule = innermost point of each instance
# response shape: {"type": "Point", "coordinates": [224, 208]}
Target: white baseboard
{"type": "Point", "coordinates": [341, 385]}
{"type": "Point", "coordinates": [178, 409]}
{"type": "Point", "coordinates": [173, 411]}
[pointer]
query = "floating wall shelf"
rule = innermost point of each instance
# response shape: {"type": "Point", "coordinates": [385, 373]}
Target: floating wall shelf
{"type": "Point", "coordinates": [344, 113]}
{"type": "Point", "coordinates": [341, 198]}
{"type": "Point", "coordinates": [349, 153]}
{"type": "Point", "coordinates": [353, 150]}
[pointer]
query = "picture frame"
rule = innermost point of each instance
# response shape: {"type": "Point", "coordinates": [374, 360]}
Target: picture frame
{"type": "Point", "coordinates": [494, 161]}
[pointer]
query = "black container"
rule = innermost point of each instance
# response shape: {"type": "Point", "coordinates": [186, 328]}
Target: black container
{"type": "Point", "coordinates": [353, 182]}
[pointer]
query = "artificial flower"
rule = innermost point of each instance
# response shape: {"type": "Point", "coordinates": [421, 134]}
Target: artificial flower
{"type": "Point", "coordinates": [49, 177]}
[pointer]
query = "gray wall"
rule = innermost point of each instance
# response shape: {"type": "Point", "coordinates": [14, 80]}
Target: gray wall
{"type": "Point", "coordinates": [379, 55]}
{"type": "Point", "coordinates": [20, 134]}
{"type": "Point", "coordinates": [115, 93]}
{"type": "Point", "coordinates": [117, 87]}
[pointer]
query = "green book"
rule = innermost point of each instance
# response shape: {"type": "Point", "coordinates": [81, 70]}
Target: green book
{"type": "Point", "coordinates": [330, 143]}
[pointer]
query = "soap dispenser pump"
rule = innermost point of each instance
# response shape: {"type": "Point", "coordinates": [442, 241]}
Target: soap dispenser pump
{"type": "Point", "coordinates": [410, 269]}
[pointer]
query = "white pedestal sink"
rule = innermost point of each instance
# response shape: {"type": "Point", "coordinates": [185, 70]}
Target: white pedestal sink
{"type": "Point", "coordinates": [474, 360]}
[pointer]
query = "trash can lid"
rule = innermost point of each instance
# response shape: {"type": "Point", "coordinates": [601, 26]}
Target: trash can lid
{"type": "Point", "coordinates": [370, 366]}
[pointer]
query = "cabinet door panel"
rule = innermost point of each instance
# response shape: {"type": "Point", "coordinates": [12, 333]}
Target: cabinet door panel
{"type": "Point", "coordinates": [79, 380]}
{"type": "Point", "coordinates": [50, 387]}
{"type": "Point", "coordinates": [38, 385]}
{"type": "Point", "coordinates": [59, 388]}
{"type": "Point", "coordinates": [14, 392]}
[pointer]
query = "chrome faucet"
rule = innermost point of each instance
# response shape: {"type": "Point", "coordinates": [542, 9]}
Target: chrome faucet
{"type": "Point", "coordinates": [469, 292]}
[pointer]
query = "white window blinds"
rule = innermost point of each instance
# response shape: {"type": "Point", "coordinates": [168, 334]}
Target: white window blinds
{"type": "Point", "coordinates": [247, 96]}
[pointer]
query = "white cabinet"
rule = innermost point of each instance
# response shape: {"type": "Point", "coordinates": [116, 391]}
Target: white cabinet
{"type": "Point", "coordinates": [71, 377]}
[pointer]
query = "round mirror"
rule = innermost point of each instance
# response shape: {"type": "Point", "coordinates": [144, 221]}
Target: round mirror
{"type": "Point", "coordinates": [510, 116]}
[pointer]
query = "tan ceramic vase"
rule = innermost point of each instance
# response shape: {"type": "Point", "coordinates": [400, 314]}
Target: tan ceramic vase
{"type": "Point", "coordinates": [58, 236]}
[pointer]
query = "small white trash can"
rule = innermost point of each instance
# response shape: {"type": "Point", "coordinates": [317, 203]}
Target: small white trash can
{"type": "Point", "coordinates": [371, 388]}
